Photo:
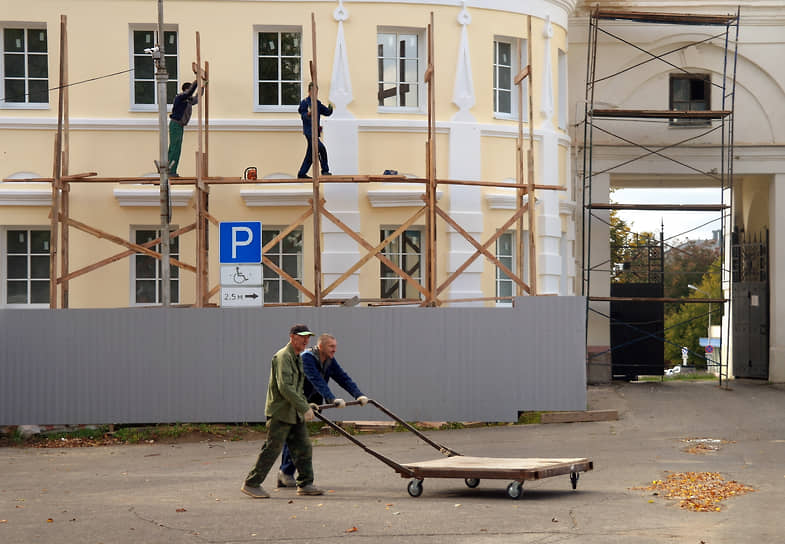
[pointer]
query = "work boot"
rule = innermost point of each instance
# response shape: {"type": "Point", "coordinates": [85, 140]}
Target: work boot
{"type": "Point", "coordinates": [257, 492]}
{"type": "Point", "coordinates": [286, 480]}
{"type": "Point", "coordinates": [309, 489]}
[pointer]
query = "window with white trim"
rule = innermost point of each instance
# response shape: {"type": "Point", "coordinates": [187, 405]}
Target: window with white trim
{"type": "Point", "coordinates": [506, 65]}
{"type": "Point", "coordinates": [400, 68]}
{"type": "Point", "coordinates": [25, 270]}
{"type": "Point", "coordinates": [405, 251]}
{"type": "Point", "coordinates": [147, 279]}
{"type": "Point", "coordinates": [24, 69]}
{"type": "Point", "coordinates": [278, 70]}
{"type": "Point", "coordinates": [505, 252]}
{"type": "Point", "coordinates": [143, 89]}
{"type": "Point", "coordinates": [287, 254]}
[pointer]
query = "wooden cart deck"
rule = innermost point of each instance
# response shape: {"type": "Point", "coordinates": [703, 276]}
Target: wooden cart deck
{"type": "Point", "coordinates": [497, 468]}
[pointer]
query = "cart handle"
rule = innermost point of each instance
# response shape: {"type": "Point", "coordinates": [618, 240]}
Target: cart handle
{"type": "Point", "coordinates": [444, 450]}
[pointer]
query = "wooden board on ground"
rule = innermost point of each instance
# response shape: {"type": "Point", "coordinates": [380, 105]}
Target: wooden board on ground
{"type": "Point", "coordinates": [519, 469]}
{"type": "Point", "coordinates": [581, 416]}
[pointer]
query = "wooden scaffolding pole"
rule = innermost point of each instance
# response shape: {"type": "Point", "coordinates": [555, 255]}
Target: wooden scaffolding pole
{"type": "Point", "coordinates": [519, 168]}
{"type": "Point", "coordinates": [57, 168]}
{"type": "Point", "coordinates": [530, 173]}
{"type": "Point", "coordinates": [65, 186]}
{"type": "Point", "coordinates": [430, 284]}
{"type": "Point", "coordinates": [316, 169]}
{"type": "Point", "coordinates": [201, 189]}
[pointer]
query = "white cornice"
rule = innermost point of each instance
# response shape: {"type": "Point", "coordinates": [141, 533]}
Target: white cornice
{"type": "Point", "coordinates": [265, 197]}
{"type": "Point", "coordinates": [25, 197]}
{"type": "Point", "coordinates": [151, 197]}
{"type": "Point", "coordinates": [504, 201]}
{"type": "Point", "coordinates": [567, 207]}
{"type": "Point", "coordinates": [383, 198]}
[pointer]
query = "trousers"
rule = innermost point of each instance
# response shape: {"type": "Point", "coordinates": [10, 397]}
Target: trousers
{"type": "Point", "coordinates": [175, 145]}
{"type": "Point", "coordinates": [308, 160]}
{"type": "Point", "coordinates": [293, 435]}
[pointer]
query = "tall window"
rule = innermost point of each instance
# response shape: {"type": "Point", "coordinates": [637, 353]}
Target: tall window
{"type": "Point", "coordinates": [505, 252]}
{"type": "Point", "coordinates": [406, 252]}
{"type": "Point", "coordinates": [147, 279]}
{"type": "Point", "coordinates": [24, 67]}
{"type": "Point", "coordinates": [506, 66]}
{"type": "Point", "coordinates": [398, 65]}
{"type": "Point", "coordinates": [287, 255]}
{"type": "Point", "coordinates": [26, 256]}
{"type": "Point", "coordinates": [278, 68]}
{"type": "Point", "coordinates": [144, 92]}
{"type": "Point", "coordinates": [690, 92]}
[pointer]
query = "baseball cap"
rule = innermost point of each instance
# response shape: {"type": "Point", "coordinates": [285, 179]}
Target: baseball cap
{"type": "Point", "coordinates": [300, 330]}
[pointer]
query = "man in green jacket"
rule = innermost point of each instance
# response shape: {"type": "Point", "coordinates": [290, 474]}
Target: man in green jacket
{"type": "Point", "coordinates": [287, 410]}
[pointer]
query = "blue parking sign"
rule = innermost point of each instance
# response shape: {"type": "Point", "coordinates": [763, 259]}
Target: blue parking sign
{"type": "Point", "coordinates": [240, 242]}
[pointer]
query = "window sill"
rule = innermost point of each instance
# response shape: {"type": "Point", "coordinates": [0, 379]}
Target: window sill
{"type": "Point", "coordinates": [275, 109]}
{"type": "Point", "coordinates": [509, 117]}
{"type": "Point", "coordinates": [23, 106]}
{"type": "Point", "coordinates": [393, 109]}
{"type": "Point", "coordinates": [147, 108]}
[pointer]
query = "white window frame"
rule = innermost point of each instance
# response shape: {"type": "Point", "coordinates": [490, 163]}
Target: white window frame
{"type": "Point", "coordinates": [131, 55]}
{"type": "Point", "coordinates": [563, 88]}
{"type": "Point", "coordinates": [397, 260]}
{"type": "Point", "coordinates": [257, 29]}
{"type": "Point", "coordinates": [277, 278]}
{"type": "Point", "coordinates": [498, 272]}
{"type": "Point", "coordinates": [518, 63]}
{"type": "Point", "coordinates": [23, 105]}
{"type": "Point", "coordinates": [422, 92]}
{"type": "Point", "coordinates": [4, 267]}
{"type": "Point", "coordinates": [158, 270]}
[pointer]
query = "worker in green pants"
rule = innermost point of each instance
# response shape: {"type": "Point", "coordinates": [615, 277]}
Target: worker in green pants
{"type": "Point", "coordinates": [181, 114]}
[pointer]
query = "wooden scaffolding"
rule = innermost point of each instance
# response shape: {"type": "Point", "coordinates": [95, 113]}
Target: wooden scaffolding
{"type": "Point", "coordinates": [431, 291]}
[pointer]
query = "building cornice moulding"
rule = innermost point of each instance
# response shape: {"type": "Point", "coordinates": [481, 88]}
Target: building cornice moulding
{"type": "Point", "coordinates": [25, 197]}
{"type": "Point", "coordinates": [384, 198]}
{"type": "Point", "coordinates": [151, 197]}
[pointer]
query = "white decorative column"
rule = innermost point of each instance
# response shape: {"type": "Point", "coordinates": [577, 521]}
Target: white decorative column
{"type": "Point", "coordinates": [549, 258]}
{"type": "Point", "coordinates": [776, 286]}
{"type": "Point", "coordinates": [339, 251]}
{"type": "Point", "coordinates": [465, 164]}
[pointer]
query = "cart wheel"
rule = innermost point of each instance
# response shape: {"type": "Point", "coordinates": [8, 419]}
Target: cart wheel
{"type": "Point", "coordinates": [574, 479]}
{"type": "Point", "coordinates": [515, 490]}
{"type": "Point", "coordinates": [472, 482]}
{"type": "Point", "coordinates": [415, 488]}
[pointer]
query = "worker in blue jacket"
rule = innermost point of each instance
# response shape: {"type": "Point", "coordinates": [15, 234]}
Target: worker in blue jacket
{"type": "Point", "coordinates": [305, 114]}
{"type": "Point", "coordinates": [320, 365]}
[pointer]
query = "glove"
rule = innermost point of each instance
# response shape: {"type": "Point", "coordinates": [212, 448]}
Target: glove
{"type": "Point", "coordinates": [339, 403]}
{"type": "Point", "coordinates": [363, 400]}
{"type": "Point", "coordinates": [314, 407]}
{"type": "Point", "coordinates": [309, 415]}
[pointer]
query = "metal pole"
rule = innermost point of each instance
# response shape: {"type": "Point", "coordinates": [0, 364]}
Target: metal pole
{"type": "Point", "coordinates": [161, 77]}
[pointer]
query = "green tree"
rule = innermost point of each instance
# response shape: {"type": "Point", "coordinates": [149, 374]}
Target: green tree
{"type": "Point", "coordinates": [689, 321]}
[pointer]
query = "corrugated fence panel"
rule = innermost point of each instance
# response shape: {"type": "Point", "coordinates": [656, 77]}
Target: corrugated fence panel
{"type": "Point", "coordinates": [144, 365]}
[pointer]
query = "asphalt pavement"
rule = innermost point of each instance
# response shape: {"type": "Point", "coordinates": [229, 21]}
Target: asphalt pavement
{"type": "Point", "coordinates": [190, 493]}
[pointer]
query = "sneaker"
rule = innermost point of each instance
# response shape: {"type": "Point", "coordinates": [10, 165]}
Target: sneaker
{"type": "Point", "coordinates": [174, 175]}
{"type": "Point", "coordinates": [326, 174]}
{"type": "Point", "coordinates": [257, 492]}
{"type": "Point", "coordinates": [286, 480]}
{"type": "Point", "coordinates": [309, 489]}
{"type": "Point", "coordinates": [304, 176]}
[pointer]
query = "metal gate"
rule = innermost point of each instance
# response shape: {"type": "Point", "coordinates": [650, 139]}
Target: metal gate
{"type": "Point", "coordinates": [750, 294]}
{"type": "Point", "coordinates": [637, 331]}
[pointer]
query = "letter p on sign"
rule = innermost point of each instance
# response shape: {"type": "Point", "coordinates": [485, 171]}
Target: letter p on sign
{"type": "Point", "coordinates": [240, 242]}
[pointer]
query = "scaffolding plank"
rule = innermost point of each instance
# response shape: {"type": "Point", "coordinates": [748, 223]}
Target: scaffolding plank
{"type": "Point", "coordinates": [661, 114]}
{"type": "Point", "coordinates": [659, 207]}
{"type": "Point", "coordinates": [665, 18]}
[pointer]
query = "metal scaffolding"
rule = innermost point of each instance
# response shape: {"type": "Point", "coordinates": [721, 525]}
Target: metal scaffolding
{"type": "Point", "coordinates": [596, 122]}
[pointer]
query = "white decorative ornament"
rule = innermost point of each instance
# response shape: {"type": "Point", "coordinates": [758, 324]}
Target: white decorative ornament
{"type": "Point", "coordinates": [464, 17]}
{"type": "Point", "coordinates": [463, 91]}
{"type": "Point", "coordinates": [547, 73]}
{"type": "Point", "coordinates": [340, 14]}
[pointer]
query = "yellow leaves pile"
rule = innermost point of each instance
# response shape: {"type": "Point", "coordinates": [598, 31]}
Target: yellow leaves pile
{"type": "Point", "coordinates": [698, 491]}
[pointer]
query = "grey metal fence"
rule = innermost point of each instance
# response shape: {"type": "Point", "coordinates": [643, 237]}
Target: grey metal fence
{"type": "Point", "coordinates": [134, 365]}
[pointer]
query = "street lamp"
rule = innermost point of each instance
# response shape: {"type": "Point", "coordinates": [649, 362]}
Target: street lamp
{"type": "Point", "coordinates": [691, 286]}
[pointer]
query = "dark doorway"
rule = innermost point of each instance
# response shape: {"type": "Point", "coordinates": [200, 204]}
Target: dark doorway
{"type": "Point", "coordinates": [750, 275]}
{"type": "Point", "coordinates": [637, 331]}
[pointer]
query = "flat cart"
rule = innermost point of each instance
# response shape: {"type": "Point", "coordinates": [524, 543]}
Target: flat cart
{"type": "Point", "coordinates": [471, 469]}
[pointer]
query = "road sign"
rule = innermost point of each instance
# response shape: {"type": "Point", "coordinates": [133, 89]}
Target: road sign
{"type": "Point", "coordinates": [241, 296]}
{"type": "Point", "coordinates": [245, 275]}
{"type": "Point", "coordinates": [714, 342]}
{"type": "Point", "coordinates": [709, 349]}
{"type": "Point", "coordinates": [240, 242]}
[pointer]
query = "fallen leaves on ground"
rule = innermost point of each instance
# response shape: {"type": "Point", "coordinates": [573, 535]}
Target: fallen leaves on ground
{"type": "Point", "coordinates": [351, 530]}
{"type": "Point", "coordinates": [697, 491]}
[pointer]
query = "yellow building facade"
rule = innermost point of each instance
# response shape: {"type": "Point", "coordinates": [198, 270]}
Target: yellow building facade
{"type": "Point", "coordinates": [372, 60]}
